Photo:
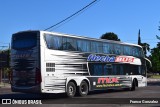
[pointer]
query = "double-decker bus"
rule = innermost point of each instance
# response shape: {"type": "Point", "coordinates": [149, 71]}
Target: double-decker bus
{"type": "Point", "coordinates": [49, 62]}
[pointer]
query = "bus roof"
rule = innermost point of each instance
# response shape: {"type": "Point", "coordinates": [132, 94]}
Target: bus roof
{"type": "Point", "coordinates": [82, 37]}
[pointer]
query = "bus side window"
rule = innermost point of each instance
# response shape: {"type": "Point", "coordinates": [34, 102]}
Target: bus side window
{"type": "Point", "coordinates": [136, 52]}
{"type": "Point", "coordinates": [108, 69]}
{"type": "Point", "coordinates": [117, 49]}
{"type": "Point", "coordinates": [106, 48]}
{"type": "Point", "coordinates": [83, 45]}
{"type": "Point", "coordinates": [143, 69]}
{"type": "Point", "coordinates": [49, 42]}
{"type": "Point", "coordinates": [118, 69]}
{"type": "Point", "coordinates": [127, 50]}
{"type": "Point", "coordinates": [96, 69]}
{"type": "Point", "coordinates": [53, 42]}
{"type": "Point", "coordinates": [96, 47]}
{"type": "Point", "coordinates": [69, 44]}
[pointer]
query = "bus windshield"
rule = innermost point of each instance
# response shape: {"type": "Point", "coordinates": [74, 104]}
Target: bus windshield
{"type": "Point", "coordinates": [24, 40]}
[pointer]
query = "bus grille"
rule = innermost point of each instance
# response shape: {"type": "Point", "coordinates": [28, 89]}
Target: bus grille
{"type": "Point", "coordinates": [50, 67]}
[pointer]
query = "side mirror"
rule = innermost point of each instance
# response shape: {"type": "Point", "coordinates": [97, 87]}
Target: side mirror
{"type": "Point", "coordinates": [148, 61]}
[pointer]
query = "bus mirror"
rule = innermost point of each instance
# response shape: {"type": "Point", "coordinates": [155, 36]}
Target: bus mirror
{"type": "Point", "coordinates": [150, 63]}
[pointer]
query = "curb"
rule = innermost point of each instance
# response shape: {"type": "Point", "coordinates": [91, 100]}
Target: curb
{"type": "Point", "coordinates": [5, 86]}
{"type": "Point", "coordinates": [152, 80]}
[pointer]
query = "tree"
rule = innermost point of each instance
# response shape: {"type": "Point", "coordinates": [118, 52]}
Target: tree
{"type": "Point", "coordinates": [146, 47]}
{"type": "Point", "coordinates": [5, 57]}
{"type": "Point", "coordinates": [139, 38]}
{"type": "Point", "coordinates": [158, 45]}
{"type": "Point", "coordinates": [155, 59]}
{"type": "Point", "coordinates": [110, 36]}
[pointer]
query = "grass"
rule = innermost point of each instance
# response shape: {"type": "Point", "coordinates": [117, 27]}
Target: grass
{"type": "Point", "coordinates": [155, 77]}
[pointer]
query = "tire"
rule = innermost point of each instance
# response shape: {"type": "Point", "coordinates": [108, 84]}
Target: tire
{"type": "Point", "coordinates": [83, 89]}
{"type": "Point", "coordinates": [71, 89]}
{"type": "Point", "coordinates": [133, 88]}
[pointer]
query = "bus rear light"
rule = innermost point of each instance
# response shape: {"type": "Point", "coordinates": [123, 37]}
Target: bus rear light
{"type": "Point", "coordinates": [38, 79]}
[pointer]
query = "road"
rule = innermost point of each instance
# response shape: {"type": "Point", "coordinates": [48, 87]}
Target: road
{"type": "Point", "coordinates": [109, 97]}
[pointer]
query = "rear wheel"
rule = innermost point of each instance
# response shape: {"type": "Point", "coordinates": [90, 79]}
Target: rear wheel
{"type": "Point", "coordinates": [83, 88]}
{"type": "Point", "coordinates": [71, 89]}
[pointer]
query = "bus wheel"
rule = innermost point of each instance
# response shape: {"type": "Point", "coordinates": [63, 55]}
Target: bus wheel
{"type": "Point", "coordinates": [133, 88]}
{"type": "Point", "coordinates": [71, 89]}
{"type": "Point", "coordinates": [83, 88]}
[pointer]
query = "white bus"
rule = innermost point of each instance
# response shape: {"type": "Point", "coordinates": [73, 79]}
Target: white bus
{"type": "Point", "coordinates": [49, 62]}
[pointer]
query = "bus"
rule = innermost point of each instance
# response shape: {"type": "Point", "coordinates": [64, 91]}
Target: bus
{"type": "Point", "coordinates": [50, 62]}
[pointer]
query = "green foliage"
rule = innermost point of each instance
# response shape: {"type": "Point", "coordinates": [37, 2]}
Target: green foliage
{"type": "Point", "coordinates": [155, 76]}
{"type": "Point", "coordinates": [5, 53]}
{"type": "Point", "coordinates": [146, 47]}
{"type": "Point", "coordinates": [158, 37]}
{"type": "Point", "coordinates": [110, 36]}
{"type": "Point", "coordinates": [155, 59]}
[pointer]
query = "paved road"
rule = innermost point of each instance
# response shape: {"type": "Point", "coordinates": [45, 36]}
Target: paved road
{"type": "Point", "coordinates": [110, 97]}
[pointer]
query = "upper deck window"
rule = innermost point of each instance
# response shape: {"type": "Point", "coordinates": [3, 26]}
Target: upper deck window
{"type": "Point", "coordinates": [127, 50]}
{"type": "Point", "coordinates": [96, 47]}
{"type": "Point", "coordinates": [69, 44]}
{"type": "Point", "coordinates": [118, 50]}
{"type": "Point", "coordinates": [92, 46]}
{"type": "Point", "coordinates": [53, 42]}
{"type": "Point", "coordinates": [83, 45]}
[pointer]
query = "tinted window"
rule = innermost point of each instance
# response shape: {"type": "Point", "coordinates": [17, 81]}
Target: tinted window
{"type": "Point", "coordinates": [24, 40]}
{"type": "Point", "coordinates": [69, 44]}
{"type": "Point", "coordinates": [118, 49]}
{"type": "Point", "coordinates": [96, 69]}
{"type": "Point", "coordinates": [108, 69]}
{"type": "Point", "coordinates": [53, 42]}
{"type": "Point", "coordinates": [132, 69]}
{"type": "Point", "coordinates": [118, 69]}
{"type": "Point", "coordinates": [136, 51]}
{"type": "Point", "coordinates": [141, 53]}
{"type": "Point", "coordinates": [96, 47]}
{"type": "Point", "coordinates": [83, 45]}
{"type": "Point", "coordinates": [108, 48]}
{"type": "Point", "coordinates": [127, 50]}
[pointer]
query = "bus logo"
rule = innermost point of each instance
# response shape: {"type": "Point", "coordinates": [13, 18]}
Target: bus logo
{"type": "Point", "coordinates": [92, 57]}
{"type": "Point", "coordinates": [122, 59]}
{"type": "Point", "coordinates": [108, 80]}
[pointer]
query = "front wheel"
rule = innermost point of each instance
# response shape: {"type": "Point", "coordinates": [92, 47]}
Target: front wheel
{"type": "Point", "coordinates": [133, 88]}
{"type": "Point", "coordinates": [83, 88]}
{"type": "Point", "coordinates": [71, 89]}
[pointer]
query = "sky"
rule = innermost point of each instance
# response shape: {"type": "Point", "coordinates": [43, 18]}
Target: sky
{"type": "Point", "coordinates": [122, 17]}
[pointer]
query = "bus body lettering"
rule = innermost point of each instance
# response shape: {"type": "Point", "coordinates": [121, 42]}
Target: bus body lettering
{"type": "Point", "coordinates": [108, 80]}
